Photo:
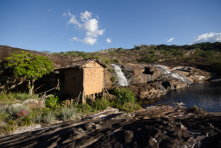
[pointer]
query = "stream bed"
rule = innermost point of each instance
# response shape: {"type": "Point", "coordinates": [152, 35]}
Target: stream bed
{"type": "Point", "coordinates": [205, 95]}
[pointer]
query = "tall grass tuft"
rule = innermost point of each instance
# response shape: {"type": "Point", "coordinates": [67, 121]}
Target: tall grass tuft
{"type": "Point", "coordinates": [49, 117]}
{"type": "Point", "coordinates": [67, 113]}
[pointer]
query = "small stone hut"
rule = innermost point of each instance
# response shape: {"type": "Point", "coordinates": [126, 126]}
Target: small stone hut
{"type": "Point", "coordinates": [83, 77]}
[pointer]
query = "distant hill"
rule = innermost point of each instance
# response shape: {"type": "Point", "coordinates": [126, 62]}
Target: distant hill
{"type": "Point", "coordinates": [58, 60]}
{"type": "Point", "coordinates": [170, 55]}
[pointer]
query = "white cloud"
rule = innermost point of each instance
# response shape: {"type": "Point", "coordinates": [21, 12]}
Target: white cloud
{"type": "Point", "coordinates": [88, 24]}
{"type": "Point", "coordinates": [64, 14]}
{"type": "Point", "coordinates": [86, 40]}
{"type": "Point", "coordinates": [86, 16]}
{"type": "Point", "coordinates": [208, 37]}
{"type": "Point", "coordinates": [74, 39]}
{"type": "Point", "coordinates": [109, 40]}
{"type": "Point", "coordinates": [49, 10]}
{"type": "Point", "coordinates": [170, 40]}
{"type": "Point", "coordinates": [89, 40]}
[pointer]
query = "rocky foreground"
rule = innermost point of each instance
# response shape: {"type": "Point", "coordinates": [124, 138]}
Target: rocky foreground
{"type": "Point", "coordinates": [157, 126]}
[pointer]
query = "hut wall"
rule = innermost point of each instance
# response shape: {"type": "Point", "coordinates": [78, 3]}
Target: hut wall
{"type": "Point", "coordinates": [93, 78]}
{"type": "Point", "coordinates": [73, 81]}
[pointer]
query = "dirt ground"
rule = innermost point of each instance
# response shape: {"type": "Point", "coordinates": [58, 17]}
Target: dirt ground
{"type": "Point", "coordinates": [157, 126]}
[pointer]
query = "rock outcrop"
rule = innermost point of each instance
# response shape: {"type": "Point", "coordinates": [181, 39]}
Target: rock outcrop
{"type": "Point", "coordinates": [152, 81]}
{"type": "Point", "coordinates": [156, 126]}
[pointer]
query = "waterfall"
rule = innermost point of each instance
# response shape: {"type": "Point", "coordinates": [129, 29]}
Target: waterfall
{"type": "Point", "coordinates": [173, 74]}
{"type": "Point", "coordinates": [122, 80]}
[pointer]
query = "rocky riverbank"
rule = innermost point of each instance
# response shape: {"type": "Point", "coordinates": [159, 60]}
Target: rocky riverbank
{"type": "Point", "coordinates": [151, 81]}
{"type": "Point", "coordinates": [156, 126]}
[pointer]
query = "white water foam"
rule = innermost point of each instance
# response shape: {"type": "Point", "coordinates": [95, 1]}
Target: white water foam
{"type": "Point", "coordinates": [173, 74]}
{"type": "Point", "coordinates": [122, 80]}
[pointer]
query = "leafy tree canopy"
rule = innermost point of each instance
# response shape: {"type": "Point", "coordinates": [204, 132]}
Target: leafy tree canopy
{"type": "Point", "coordinates": [29, 66]}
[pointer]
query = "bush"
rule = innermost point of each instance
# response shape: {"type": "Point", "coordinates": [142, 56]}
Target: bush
{"type": "Point", "coordinates": [49, 117]}
{"type": "Point", "coordinates": [12, 111]}
{"type": "Point", "coordinates": [52, 102]}
{"type": "Point", "coordinates": [100, 104]}
{"type": "Point", "coordinates": [113, 79]}
{"type": "Point", "coordinates": [124, 95]}
{"type": "Point", "coordinates": [67, 113]}
{"type": "Point", "coordinates": [21, 113]}
{"type": "Point", "coordinates": [149, 58]}
{"type": "Point", "coordinates": [195, 108]}
{"type": "Point", "coordinates": [125, 100]}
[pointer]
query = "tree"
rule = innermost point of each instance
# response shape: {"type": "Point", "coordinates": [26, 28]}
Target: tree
{"type": "Point", "coordinates": [29, 66]}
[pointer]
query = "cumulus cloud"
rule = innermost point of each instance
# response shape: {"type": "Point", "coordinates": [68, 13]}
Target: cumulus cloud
{"type": "Point", "coordinates": [109, 40]}
{"type": "Point", "coordinates": [208, 37]}
{"type": "Point", "coordinates": [89, 40]}
{"type": "Point", "coordinates": [170, 40]}
{"type": "Point", "coordinates": [88, 24]}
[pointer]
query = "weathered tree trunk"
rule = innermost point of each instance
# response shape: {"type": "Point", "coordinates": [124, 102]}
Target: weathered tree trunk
{"type": "Point", "coordinates": [31, 86]}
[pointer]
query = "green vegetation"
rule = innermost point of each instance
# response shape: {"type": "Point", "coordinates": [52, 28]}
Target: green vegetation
{"type": "Point", "coordinates": [203, 53]}
{"type": "Point", "coordinates": [113, 78]}
{"type": "Point", "coordinates": [67, 113]}
{"type": "Point", "coordinates": [11, 97]}
{"type": "Point", "coordinates": [196, 108]}
{"type": "Point", "coordinates": [22, 116]}
{"type": "Point", "coordinates": [125, 100]}
{"type": "Point", "coordinates": [52, 102]}
{"type": "Point", "coordinates": [149, 58]}
{"type": "Point", "coordinates": [29, 66]}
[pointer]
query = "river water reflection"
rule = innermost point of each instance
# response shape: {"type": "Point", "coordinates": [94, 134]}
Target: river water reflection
{"type": "Point", "coordinates": [206, 95]}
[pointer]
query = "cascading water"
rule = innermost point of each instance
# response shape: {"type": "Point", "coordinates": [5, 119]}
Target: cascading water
{"type": "Point", "coordinates": [175, 75]}
{"type": "Point", "coordinates": [122, 80]}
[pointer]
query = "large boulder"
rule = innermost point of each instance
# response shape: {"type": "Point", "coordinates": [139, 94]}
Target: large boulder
{"type": "Point", "coordinates": [146, 91]}
{"type": "Point", "coordinates": [153, 90]}
{"type": "Point", "coordinates": [195, 75]}
{"type": "Point", "coordinates": [139, 73]}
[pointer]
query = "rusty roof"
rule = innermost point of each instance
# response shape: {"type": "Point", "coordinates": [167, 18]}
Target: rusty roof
{"type": "Point", "coordinates": [81, 63]}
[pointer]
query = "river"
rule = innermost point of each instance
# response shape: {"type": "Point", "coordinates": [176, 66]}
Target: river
{"type": "Point", "coordinates": [205, 95]}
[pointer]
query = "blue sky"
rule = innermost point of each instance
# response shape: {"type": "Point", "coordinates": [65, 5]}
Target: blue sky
{"type": "Point", "coordinates": [92, 25]}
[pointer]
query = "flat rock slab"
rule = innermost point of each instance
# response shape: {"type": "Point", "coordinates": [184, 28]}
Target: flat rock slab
{"type": "Point", "coordinates": [157, 126]}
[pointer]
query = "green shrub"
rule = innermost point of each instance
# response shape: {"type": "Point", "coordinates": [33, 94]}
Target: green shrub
{"type": "Point", "coordinates": [85, 108]}
{"type": "Point", "coordinates": [100, 104]}
{"type": "Point", "coordinates": [12, 111]}
{"type": "Point", "coordinates": [113, 79]}
{"type": "Point", "coordinates": [124, 95]}
{"type": "Point", "coordinates": [49, 117]}
{"type": "Point", "coordinates": [203, 111]}
{"type": "Point", "coordinates": [67, 113]}
{"type": "Point", "coordinates": [3, 116]}
{"type": "Point", "coordinates": [52, 102]}
{"type": "Point", "coordinates": [195, 108]}
{"type": "Point", "coordinates": [8, 128]}
{"type": "Point", "coordinates": [36, 115]}
{"type": "Point", "coordinates": [125, 100]}
{"type": "Point", "coordinates": [149, 58]}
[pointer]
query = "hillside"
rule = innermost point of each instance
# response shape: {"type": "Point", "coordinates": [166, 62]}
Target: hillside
{"type": "Point", "coordinates": [58, 60]}
{"type": "Point", "coordinates": [201, 55]}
